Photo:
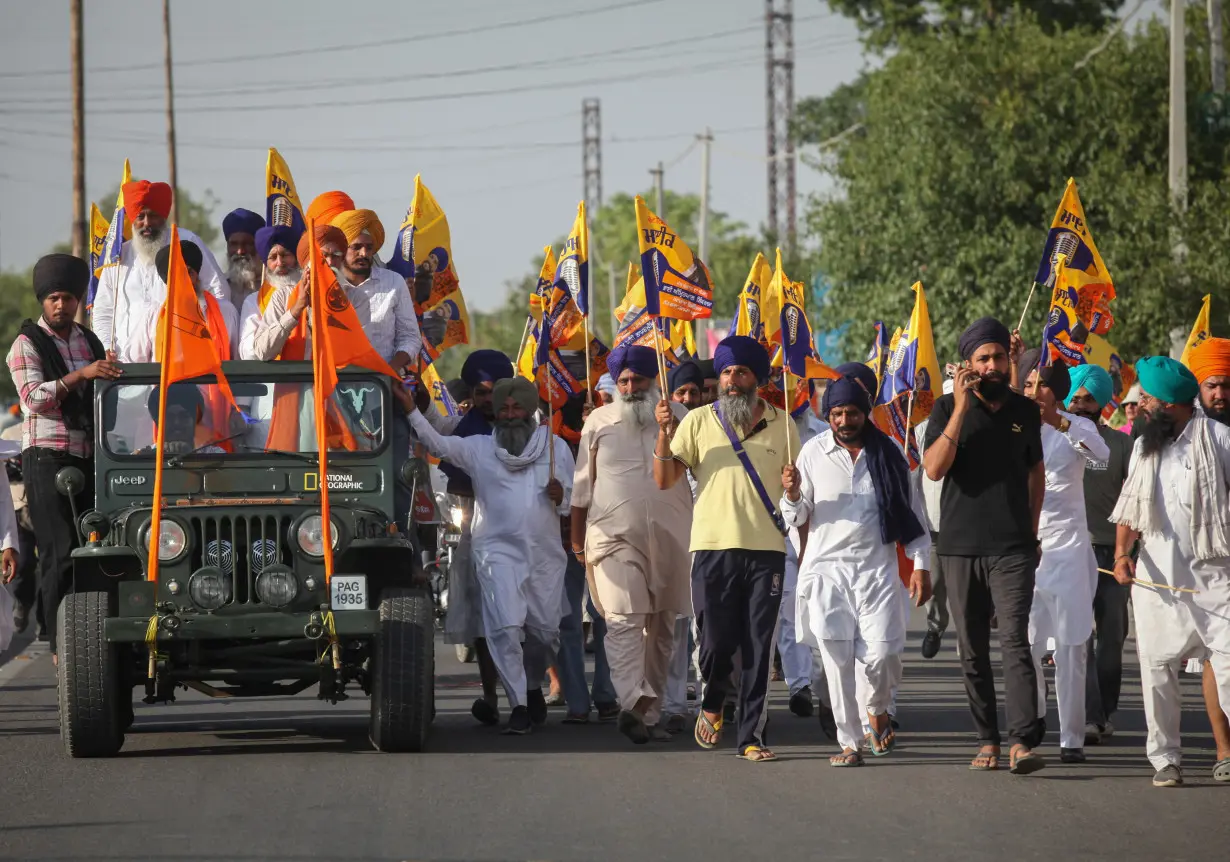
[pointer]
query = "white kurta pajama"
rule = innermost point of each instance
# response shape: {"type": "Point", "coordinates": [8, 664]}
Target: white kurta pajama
{"type": "Point", "coordinates": [851, 601]}
{"type": "Point", "coordinates": [519, 560]}
{"type": "Point", "coordinates": [636, 552]}
{"type": "Point", "coordinates": [1067, 574]}
{"type": "Point", "coordinates": [1172, 627]}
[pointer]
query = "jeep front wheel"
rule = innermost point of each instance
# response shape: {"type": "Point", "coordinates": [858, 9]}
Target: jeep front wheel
{"type": "Point", "coordinates": [403, 671]}
{"type": "Point", "coordinates": [89, 687]}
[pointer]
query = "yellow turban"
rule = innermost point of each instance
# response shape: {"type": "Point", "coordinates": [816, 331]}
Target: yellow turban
{"type": "Point", "coordinates": [1211, 359]}
{"type": "Point", "coordinates": [355, 222]}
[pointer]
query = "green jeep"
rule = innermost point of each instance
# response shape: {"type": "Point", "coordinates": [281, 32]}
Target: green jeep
{"type": "Point", "coordinates": [241, 607]}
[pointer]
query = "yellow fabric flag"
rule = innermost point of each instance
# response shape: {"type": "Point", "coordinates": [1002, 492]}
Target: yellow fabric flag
{"type": "Point", "coordinates": [456, 320]}
{"type": "Point", "coordinates": [424, 238]}
{"type": "Point", "coordinates": [282, 205]}
{"type": "Point", "coordinates": [1200, 331]}
{"type": "Point", "coordinates": [677, 283]}
{"type": "Point", "coordinates": [749, 317]}
{"type": "Point", "coordinates": [634, 293]}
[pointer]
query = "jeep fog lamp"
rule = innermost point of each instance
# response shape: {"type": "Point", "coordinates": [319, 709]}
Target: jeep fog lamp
{"type": "Point", "coordinates": [310, 535]}
{"type": "Point", "coordinates": [172, 540]}
{"type": "Point", "coordinates": [276, 586]}
{"type": "Point", "coordinates": [209, 588]}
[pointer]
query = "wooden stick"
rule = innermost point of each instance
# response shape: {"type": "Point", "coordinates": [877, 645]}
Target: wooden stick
{"type": "Point", "coordinates": [1021, 322]}
{"type": "Point", "coordinates": [789, 404]}
{"type": "Point", "coordinates": [657, 346]}
{"type": "Point", "coordinates": [551, 428]}
{"type": "Point", "coordinates": [1145, 583]}
{"type": "Point", "coordinates": [525, 336]}
{"type": "Point", "coordinates": [589, 388]}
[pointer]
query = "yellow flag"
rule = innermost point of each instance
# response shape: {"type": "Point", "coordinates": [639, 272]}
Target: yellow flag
{"type": "Point", "coordinates": [773, 301]}
{"type": "Point", "coordinates": [1200, 332]}
{"type": "Point", "coordinates": [452, 309]}
{"type": "Point", "coordinates": [749, 317]}
{"type": "Point", "coordinates": [634, 293]}
{"type": "Point", "coordinates": [424, 238]}
{"type": "Point", "coordinates": [120, 230]}
{"type": "Point", "coordinates": [282, 206]}
{"type": "Point", "coordinates": [1069, 236]}
{"type": "Point", "coordinates": [677, 283]}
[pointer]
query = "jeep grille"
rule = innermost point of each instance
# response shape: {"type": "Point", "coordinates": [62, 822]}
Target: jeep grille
{"type": "Point", "coordinates": [241, 546]}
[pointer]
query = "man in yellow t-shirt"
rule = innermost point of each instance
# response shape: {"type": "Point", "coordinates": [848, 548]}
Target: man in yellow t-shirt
{"type": "Point", "coordinates": [739, 552]}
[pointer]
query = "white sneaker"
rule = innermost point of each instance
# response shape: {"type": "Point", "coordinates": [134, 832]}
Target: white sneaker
{"type": "Point", "coordinates": [1093, 734]}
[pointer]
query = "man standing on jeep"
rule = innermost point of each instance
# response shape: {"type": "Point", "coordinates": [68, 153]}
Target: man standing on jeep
{"type": "Point", "coordinates": [54, 364]}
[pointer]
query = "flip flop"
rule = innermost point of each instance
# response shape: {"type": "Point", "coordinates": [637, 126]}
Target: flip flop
{"type": "Point", "coordinates": [709, 727]}
{"type": "Point", "coordinates": [1221, 770]}
{"type": "Point", "coordinates": [990, 758]}
{"type": "Point", "coordinates": [1026, 764]}
{"type": "Point", "coordinates": [881, 743]}
{"type": "Point", "coordinates": [846, 759]}
{"type": "Point", "coordinates": [756, 754]}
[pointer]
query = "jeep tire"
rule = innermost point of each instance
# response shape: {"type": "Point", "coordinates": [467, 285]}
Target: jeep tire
{"type": "Point", "coordinates": [403, 671]}
{"type": "Point", "coordinates": [88, 678]}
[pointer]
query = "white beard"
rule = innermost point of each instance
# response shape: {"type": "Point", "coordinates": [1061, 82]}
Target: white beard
{"type": "Point", "coordinates": [287, 281]}
{"type": "Point", "coordinates": [244, 274]}
{"type": "Point", "coordinates": [638, 408]}
{"type": "Point", "coordinates": [147, 249]}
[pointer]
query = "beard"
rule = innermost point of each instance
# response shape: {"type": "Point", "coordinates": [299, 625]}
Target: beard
{"type": "Point", "coordinates": [993, 386]}
{"type": "Point", "coordinates": [244, 273]}
{"type": "Point", "coordinates": [738, 406]}
{"type": "Point", "coordinates": [1092, 416]}
{"type": "Point", "coordinates": [638, 407]}
{"type": "Point", "coordinates": [1158, 430]}
{"type": "Point", "coordinates": [287, 281]}
{"type": "Point", "coordinates": [513, 435]}
{"type": "Point", "coordinates": [1222, 415]}
{"type": "Point", "coordinates": [148, 247]}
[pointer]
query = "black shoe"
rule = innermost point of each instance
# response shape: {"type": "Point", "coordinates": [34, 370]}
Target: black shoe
{"type": "Point", "coordinates": [519, 723]}
{"type": "Point", "coordinates": [537, 705]}
{"type": "Point", "coordinates": [42, 634]}
{"type": "Point", "coordinates": [800, 702]}
{"type": "Point", "coordinates": [607, 711]}
{"type": "Point", "coordinates": [1071, 755]}
{"type": "Point", "coordinates": [1168, 776]}
{"type": "Point", "coordinates": [486, 713]}
{"type": "Point", "coordinates": [828, 723]}
{"type": "Point", "coordinates": [21, 618]}
{"type": "Point", "coordinates": [633, 726]}
{"type": "Point", "coordinates": [931, 644]}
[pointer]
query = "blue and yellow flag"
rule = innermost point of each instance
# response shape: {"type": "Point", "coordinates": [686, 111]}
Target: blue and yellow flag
{"type": "Point", "coordinates": [877, 356]}
{"type": "Point", "coordinates": [1069, 236]}
{"type": "Point", "coordinates": [1200, 331]}
{"type": "Point", "coordinates": [456, 318]}
{"type": "Point", "coordinates": [913, 367]}
{"type": "Point", "coordinates": [677, 284]}
{"type": "Point", "coordinates": [799, 355]}
{"type": "Point", "coordinates": [282, 206]}
{"type": "Point", "coordinates": [637, 326]}
{"type": "Point", "coordinates": [539, 298]}
{"type": "Point", "coordinates": [98, 245]}
{"type": "Point", "coordinates": [1099, 351]}
{"type": "Point", "coordinates": [1075, 300]}
{"type": "Point", "coordinates": [572, 271]}
{"type": "Point", "coordinates": [561, 321]}
{"type": "Point", "coordinates": [424, 238]}
{"type": "Point", "coordinates": [749, 316]}
{"type": "Point", "coordinates": [441, 399]}
{"type": "Point", "coordinates": [119, 229]}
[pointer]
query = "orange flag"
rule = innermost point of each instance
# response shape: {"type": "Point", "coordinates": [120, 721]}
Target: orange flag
{"type": "Point", "coordinates": [338, 340]}
{"type": "Point", "coordinates": [185, 351]}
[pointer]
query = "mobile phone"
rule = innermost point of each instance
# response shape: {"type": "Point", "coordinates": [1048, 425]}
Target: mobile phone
{"type": "Point", "coordinates": [951, 369]}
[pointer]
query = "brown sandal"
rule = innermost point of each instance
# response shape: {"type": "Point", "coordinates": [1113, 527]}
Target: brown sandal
{"type": "Point", "coordinates": [987, 759]}
{"type": "Point", "coordinates": [848, 757]}
{"type": "Point", "coordinates": [1025, 763]}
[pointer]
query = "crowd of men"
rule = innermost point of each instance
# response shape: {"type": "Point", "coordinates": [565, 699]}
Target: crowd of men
{"type": "Point", "coordinates": [703, 527]}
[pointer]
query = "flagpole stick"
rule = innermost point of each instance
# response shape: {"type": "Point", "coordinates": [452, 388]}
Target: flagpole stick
{"type": "Point", "coordinates": [657, 347]}
{"type": "Point", "coordinates": [551, 429]}
{"type": "Point", "coordinates": [589, 389]}
{"type": "Point", "coordinates": [786, 395]}
{"type": "Point", "coordinates": [525, 336]}
{"type": "Point", "coordinates": [1033, 285]}
{"type": "Point", "coordinates": [909, 426]}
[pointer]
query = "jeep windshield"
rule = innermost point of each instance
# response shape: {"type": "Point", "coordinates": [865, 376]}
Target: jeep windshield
{"type": "Point", "coordinates": [273, 416]}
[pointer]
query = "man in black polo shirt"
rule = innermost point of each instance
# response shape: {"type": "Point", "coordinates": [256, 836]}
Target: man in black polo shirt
{"type": "Point", "coordinates": [985, 441]}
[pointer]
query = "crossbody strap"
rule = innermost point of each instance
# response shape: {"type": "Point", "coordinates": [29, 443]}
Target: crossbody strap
{"type": "Point", "coordinates": [750, 469]}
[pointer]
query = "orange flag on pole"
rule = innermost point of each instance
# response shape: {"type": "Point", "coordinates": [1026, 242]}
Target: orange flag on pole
{"type": "Point", "coordinates": [185, 351]}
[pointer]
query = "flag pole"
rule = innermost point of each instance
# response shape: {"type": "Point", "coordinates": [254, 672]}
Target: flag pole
{"type": "Point", "coordinates": [589, 389]}
{"type": "Point", "coordinates": [786, 395]}
{"type": "Point", "coordinates": [525, 336]}
{"type": "Point", "coordinates": [657, 348]}
{"type": "Point", "coordinates": [1021, 322]}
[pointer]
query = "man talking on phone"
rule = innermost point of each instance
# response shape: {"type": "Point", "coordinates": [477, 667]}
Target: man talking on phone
{"type": "Point", "coordinates": [985, 441]}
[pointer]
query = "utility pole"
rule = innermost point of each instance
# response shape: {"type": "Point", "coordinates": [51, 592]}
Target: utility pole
{"type": "Point", "coordinates": [166, 44]}
{"type": "Point", "coordinates": [612, 287]}
{"type": "Point", "coordinates": [591, 167]}
{"type": "Point", "coordinates": [80, 233]}
{"type": "Point", "coordinates": [659, 192]}
{"type": "Point", "coordinates": [779, 69]}
{"type": "Point", "coordinates": [1217, 48]}
{"type": "Point", "coordinates": [706, 139]}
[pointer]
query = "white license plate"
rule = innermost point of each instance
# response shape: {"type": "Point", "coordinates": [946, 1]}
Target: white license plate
{"type": "Point", "coordinates": [348, 592]}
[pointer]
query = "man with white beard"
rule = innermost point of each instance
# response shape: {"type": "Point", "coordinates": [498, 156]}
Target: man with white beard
{"type": "Point", "coordinates": [632, 538]}
{"type": "Point", "coordinates": [243, 272]}
{"type": "Point", "coordinates": [271, 315]}
{"type": "Point", "coordinates": [520, 493]}
{"type": "Point", "coordinates": [131, 293]}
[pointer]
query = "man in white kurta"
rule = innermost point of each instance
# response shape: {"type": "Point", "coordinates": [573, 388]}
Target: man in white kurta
{"type": "Point", "coordinates": [633, 539]}
{"type": "Point", "coordinates": [518, 558]}
{"type": "Point", "coordinates": [1067, 575]}
{"type": "Point", "coordinates": [1176, 501]}
{"type": "Point", "coordinates": [131, 292]}
{"type": "Point", "coordinates": [850, 594]}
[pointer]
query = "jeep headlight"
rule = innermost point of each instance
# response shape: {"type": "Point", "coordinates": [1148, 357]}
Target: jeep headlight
{"type": "Point", "coordinates": [172, 540]}
{"type": "Point", "coordinates": [310, 535]}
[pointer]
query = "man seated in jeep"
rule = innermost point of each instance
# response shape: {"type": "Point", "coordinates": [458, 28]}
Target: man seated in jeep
{"type": "Point", "coordinates": [185, 430]}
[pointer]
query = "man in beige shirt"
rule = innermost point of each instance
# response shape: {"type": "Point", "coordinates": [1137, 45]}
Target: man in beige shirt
{"type": "Point", "coordinates": [633, 538]}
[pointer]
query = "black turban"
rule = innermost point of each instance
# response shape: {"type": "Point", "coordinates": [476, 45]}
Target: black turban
{"type": "Point", "coordinates": [685, 373]}
{"type": "Point", "coordinates": [190, 251]}
{"type": "Point", "coordinates": [984, 330]}
{"type": "Point", "coordinates": [185, 395]}
{"type": "Point", "coordinates": [861, 372]}
{"type": "Point", "coordinates": [1057, 380]}
{"type": "Point", "coordinates": [55, 273]}
{"type": "Point", "coordinates": [459, 390]}
{"type": "Point", "coordinates": [706, 368]}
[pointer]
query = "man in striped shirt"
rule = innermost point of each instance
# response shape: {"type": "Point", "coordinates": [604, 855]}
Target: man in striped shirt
{"type": "Point", "coordinates": [54, 364]}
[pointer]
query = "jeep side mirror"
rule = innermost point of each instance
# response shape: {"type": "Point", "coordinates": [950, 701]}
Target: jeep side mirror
{"type": "Point", "coordinates": [70, 481]}
{"type": "Point", "coordinates": [409, 472]}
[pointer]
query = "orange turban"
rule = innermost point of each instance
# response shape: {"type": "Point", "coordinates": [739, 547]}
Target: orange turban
{"type": "Point", "coordinates": [144, 195]}
{"type": "Point", "coordinates": [324, 233]}
{"type": "Point", "coordinates": [1211, 359]}
{"type": "Point", "coordinates": [328, 206]}
{"type": "Point", "coordinates": [356, 222]}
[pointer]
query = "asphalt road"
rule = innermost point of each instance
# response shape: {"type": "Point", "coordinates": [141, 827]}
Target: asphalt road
{"type": "Point", "coordinates": [296, 779]}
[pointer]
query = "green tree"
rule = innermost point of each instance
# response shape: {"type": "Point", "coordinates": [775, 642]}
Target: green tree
{"type": "Point", "coordinates": [17, 303]}
{"type": "Point", "coordinates": [959, 161]}
{"type": "Point", "coordinates": [886, 23]}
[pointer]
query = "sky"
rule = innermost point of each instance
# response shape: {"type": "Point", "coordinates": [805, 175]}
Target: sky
{"type": "Point", "coordinates": [482, 97]}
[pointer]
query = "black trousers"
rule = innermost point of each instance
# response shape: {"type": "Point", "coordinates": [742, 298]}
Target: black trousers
{"type": "Point", "coordinates": [977, 588]}
{"type": "Point", "coordinates": [736, 594]}
{"type": "Point", "coordinates": [1104, 673]}
{"type": "Point", "coordinates": [51, 515]}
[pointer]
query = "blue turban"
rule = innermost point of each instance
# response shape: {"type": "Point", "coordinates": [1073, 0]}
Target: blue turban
{"type": "Point", "coordinates": [1167, 380]}
{"type": "Point", "coordinates": [742, 350]}
{"type": "Point", "coordinates": [1095, 380]}
{"type": "Point", "coordinates": [268, 237]}
{"type": "Point", "coordinates": [984, 330]}
{"type": "Point", "coordinates": [861, 372]}
{"type": "Point", "coordinates": [685, 373]}
{"type": "Point", "coordinates": [486, 366]}
{"type": "Point", "coordinates": [847, 389]}
{"type": "Point", "coordinates": [635, 358]}
{"type": "Point", "coordinates": [241, 221]}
